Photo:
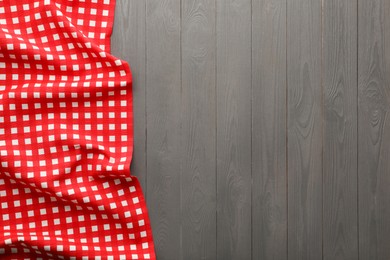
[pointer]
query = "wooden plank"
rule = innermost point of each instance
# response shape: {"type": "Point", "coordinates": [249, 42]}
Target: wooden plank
{"type": "Point", "coordinates": [374, 129]}
{"type": "Point", "coordinates": [340, 238]}
{"type": "Point", "coordinates": [304, 129]}
{"type": "Point", "coordinates": [163, 87]}
{"type": "Point", "coordinates": [128, 43]}
{"type": "Point", "coordinates": [233, 129]}
{"type": "Point", "coordinates": [269, 208]}
{"type": "Point", "coordinates": [198, 130]}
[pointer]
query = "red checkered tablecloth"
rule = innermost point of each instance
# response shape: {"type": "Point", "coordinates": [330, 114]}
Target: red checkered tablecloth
{"type": "Point", "coordinates": [66, 136]}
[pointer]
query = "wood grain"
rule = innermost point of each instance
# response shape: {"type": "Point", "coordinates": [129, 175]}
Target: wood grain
{"type": "Point", "coordinates": [233, 129]}
{"type": "Point", "coordinates": [129, 43]}
{"type": "Point", "coordinates": [374, 130]}
{"type": "Point", "coordinates": [261, 127]}
{"type": "Point", "coordinates": [198, 130]}
{"type": "Point", "coordinates": [163, 96]}
{"type": "Point", "coordinates": [269, 88]}
{"type": "Point", "coordinates": [340, 130]}
{"type": "Point", "coordinates": [304, 129]}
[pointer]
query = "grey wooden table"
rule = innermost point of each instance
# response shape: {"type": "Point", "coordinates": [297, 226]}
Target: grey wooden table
{"type": "Point", "coordinates": [262, 127]}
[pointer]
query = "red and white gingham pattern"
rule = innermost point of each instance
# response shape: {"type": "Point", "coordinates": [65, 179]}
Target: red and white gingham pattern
{"type": "Point", "coordinates": [66, 136]}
